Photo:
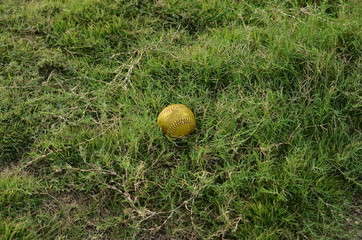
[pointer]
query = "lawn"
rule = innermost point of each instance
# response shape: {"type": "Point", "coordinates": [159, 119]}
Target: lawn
{"type": "Point", "coordinates": [275, 87]}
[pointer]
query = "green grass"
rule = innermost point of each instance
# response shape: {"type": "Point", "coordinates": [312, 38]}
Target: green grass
{"type": "Point", "coordinates": [275, 87]}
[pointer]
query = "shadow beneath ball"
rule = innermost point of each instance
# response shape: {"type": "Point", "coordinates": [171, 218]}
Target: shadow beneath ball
{"type": "Point", "coordinates": [185, 142]}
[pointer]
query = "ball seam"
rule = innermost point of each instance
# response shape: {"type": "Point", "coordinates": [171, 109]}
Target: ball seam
{"type": "Point", "coordinates": [171, 108]}
{"type": "Point", "coordinates": [178, 123]}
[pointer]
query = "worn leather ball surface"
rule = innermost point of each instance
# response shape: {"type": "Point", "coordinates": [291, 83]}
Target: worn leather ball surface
{"type": "Point", "coordinates": [176, 121]}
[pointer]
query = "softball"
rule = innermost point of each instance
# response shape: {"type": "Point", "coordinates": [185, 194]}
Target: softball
{"type": "Point", "coordinates": [176, 121]}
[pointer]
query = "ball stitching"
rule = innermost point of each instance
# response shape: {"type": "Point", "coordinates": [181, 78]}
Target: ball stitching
{"type": "Point", "coordinates": [168, 109]}
{"type": "Point", "coordinates": [178, 123]}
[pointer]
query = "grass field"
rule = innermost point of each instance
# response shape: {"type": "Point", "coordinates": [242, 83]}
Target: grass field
{"type": "Point", "coordinates": [275, 87]}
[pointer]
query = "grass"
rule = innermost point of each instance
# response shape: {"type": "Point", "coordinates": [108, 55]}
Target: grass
{"type": "Point", "coordinates": [275, 87]}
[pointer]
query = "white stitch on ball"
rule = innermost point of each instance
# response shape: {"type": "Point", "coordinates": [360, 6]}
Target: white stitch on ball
{"type": "Point", "coordinates": [171, 108]}
{"type": "Point", "coordinates": [178, 123]}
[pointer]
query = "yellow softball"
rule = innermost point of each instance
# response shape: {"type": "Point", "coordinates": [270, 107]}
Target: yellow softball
{"type": "Point", "coordinates": [176, 121]}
